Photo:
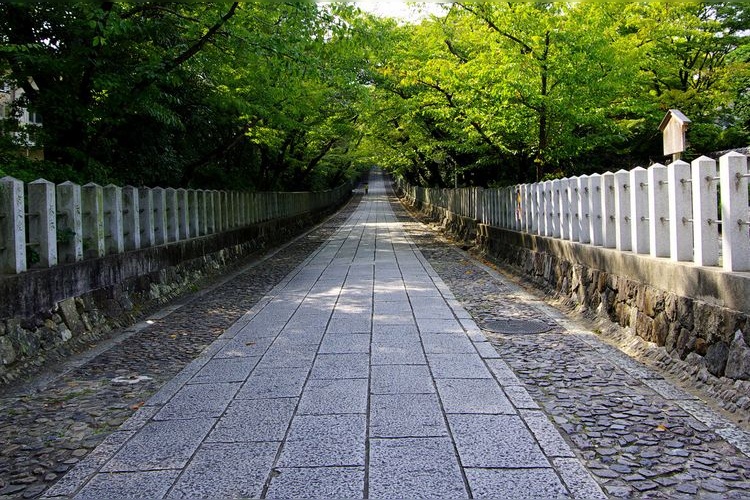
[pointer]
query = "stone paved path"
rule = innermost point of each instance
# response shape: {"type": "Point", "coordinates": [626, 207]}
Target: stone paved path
{"type": "Point", "coordinates": [359, 375]}
{"type": "Point", "coordinates": [362, 374]}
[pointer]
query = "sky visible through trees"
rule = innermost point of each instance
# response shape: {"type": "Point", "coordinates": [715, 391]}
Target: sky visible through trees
{"type": "Point", "coordinates": [305, 95]}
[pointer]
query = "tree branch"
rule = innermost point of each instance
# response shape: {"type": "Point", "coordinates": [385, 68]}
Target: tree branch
{"type": "Point", "coordinates": [487, 139]}
{"type": "Point", "coordinates": [202, 41]}
{"type": "Point", "coordinates": [525, 48]}
{"type": "Point", "coordinates": [452, 49]}
{"type": "Point", "coordinates": [326, 148]}
{"type": "Point", "coordinates": [440, 89]}
{"type": "Point", "coordinates": [190, 168]}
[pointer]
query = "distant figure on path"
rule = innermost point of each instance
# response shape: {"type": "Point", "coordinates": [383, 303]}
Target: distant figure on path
{"type": "Point", "coordinates": [367, 186]}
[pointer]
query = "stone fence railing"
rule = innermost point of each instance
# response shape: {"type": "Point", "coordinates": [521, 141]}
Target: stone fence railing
{"type": "Point", "coordinates": [43, 224]}
{"type": "Point", "coordinates": [685, 211]}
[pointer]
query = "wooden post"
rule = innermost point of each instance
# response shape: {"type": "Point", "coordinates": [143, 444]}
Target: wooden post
{"type": "Point", "coordinates": [531, 206]}
{"type": "Point", "coordinates": [210, 212]}
{"type": "Point", "coordinates": [549, 210]}
{"type": "Point", "coordinates": [237, 209]}
{"type": "Point", "coordinates": [231, 222]}
{"type": "Point", "coordinates": [674, 126]}
{"type": "Point", "coordinates": [193, 210]}
{"type": "Point", "coordinates": [541, 227]}
{"type": "Point", "coordinates": [573, 213]}
{"type": "Point", "coordinates": [565, 221]}
{"type": "Point", "coordinates": [219, 210]}
{"type": "Point", "coordinates": [242, 209]}
{"type": "Point", "coordinates": [202, 206]}
{"type": "Point", "coordinates": [250, 208]}
{"type": "Point", "coordinates": [556, 208]}
{"type": "Point", "coordinates": [230, 210]}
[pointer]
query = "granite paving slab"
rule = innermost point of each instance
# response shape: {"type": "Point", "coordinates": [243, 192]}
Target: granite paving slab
{"type": "Point", "coordinates": [254, 420]}
{"type": "Point", "coordinates": [219, 370]}
{"type": "Point", "coordinates": [406, 415]}
{"type": "Point", "coordinates": [226, 470]}
{"type": "Point", "coordinates": [495, 441]}
{"type": "Point", "coordinates": [325, 441]}
{"type": "Point", "coordinates": [401, 379]}
{"type": "Point", "coordinates": [414, 468]}
{"type": "Point", "coordinates": [397, 353]}
{"type": "Point", "coordinates": [160, 445]}
{"type": "Point", "coordinates": [274, 383]}
{"type": "Point", "coordinates": [516, 484]}
{"type": "Point", "coordinates": [317, 483]}
{"type": "Point", "coordinates": [327, 397]}
{"type": "Point", "coordinates": [345, 343]}
{"type": "Point", "coordinates": [129, 485]}
{"type": "Point", "coordinates": [341, 365]}
{"type": "Point", "coordinates": [199, 400]}
{"type": "Point", "coordinates": [458, 365]}
{"type": "Point", "coordinates": [473, 396]}
{"type": "Point", "coordinates": [447, 343]}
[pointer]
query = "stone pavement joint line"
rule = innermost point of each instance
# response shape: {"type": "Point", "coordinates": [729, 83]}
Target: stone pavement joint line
{"type": "Point", "coordinates": [359, 375]}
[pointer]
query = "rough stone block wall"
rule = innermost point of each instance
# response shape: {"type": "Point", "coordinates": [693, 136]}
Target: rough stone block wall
{"type": "Point", "coordinates": [49, 314]}
{"type": "Point", "coordinates": [716, 336]}
{"type": "Point", "coordinates": [462, 228]}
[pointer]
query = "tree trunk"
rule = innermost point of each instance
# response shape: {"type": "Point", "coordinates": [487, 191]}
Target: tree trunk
{"type": "Point", "coordinates": [543, 138]}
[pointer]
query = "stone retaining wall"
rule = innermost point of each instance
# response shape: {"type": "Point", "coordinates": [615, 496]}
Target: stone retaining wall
{"type": "Point", "coordinates": [697, 314]}
{"type": "Point", "coordinates": [462, 228]}
{"type": "Point", "coordinates": [49, 314]}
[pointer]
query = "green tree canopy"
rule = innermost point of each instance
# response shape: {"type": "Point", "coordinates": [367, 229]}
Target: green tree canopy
{"type": "Point", "coordinates": [302, 95]}
{"type": "Point", "coordinates": [245, 95]}
{"type": "Point", "coordinates": [510, 92]}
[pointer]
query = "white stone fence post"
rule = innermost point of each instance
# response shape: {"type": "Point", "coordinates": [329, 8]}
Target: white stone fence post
{"type": "Point", "coordinates": [682, 212]}
{"type": "Point", "coordinates": [43, 224]}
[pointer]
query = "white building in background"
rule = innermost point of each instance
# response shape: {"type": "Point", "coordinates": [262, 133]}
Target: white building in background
{"type": "Point", "coordinates": [26, 119]}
